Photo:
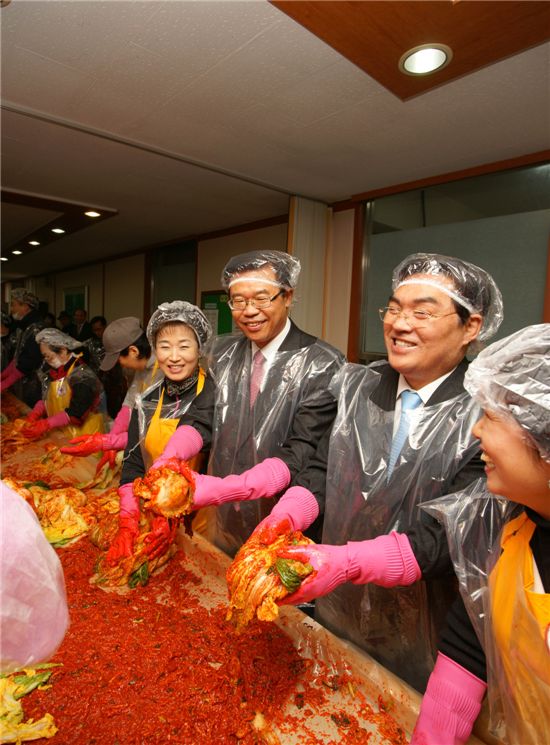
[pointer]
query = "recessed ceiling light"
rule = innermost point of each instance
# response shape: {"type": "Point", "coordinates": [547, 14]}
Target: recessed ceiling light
{"type": "Point", "coordinates": [17, 253]}
{"type": "Point", "coordinates": [34, 243]}
{"type": "Point", "coordinates": [57, 230]}
{"type": "Point", "coordinates": [424, 59]}
{"type": "Point", "coordinates": [3, 258]}
{"type": "Point", "coordinates": [91, 213]}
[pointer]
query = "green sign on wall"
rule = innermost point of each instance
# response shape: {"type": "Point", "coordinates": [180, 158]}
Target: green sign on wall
{"type": "Point", "coordinates": [215, 307]}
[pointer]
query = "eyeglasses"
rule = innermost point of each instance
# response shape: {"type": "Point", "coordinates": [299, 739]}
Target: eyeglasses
{"type": "Point", "coordinates": [240, 303]}
{"type": "Point", "coordinates": [416, 318]}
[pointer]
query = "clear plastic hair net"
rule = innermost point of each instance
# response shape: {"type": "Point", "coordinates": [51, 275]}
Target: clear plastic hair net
{"type": "Point", "coordinates": [513, 376]}
{"type": "Point", "coordinates": [180, 310]}
{"type": "Point", "coordinates": [56, 338]}
{"type": "Point", "coordinates": [474, 289]}
{"type": "Point", "coordinates": [24, 296]}
{"type": "Point", "coordinates": [285, 266]}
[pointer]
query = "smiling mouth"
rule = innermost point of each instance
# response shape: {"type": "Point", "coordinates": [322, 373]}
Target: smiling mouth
{"type": "Point", "coordinates": [402, 344]}
{"type": "Point", "coordinates": [488, 462]}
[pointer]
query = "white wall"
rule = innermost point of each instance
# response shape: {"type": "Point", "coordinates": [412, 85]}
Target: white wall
{"type": "Point", "coordinates": [338, 280]}
{"type": "Point", "coordinates": [124, 287]}
{"type": "Point", "coordinates": [116, 288]}
{"type": "Point", "coordinates": [213, 254]}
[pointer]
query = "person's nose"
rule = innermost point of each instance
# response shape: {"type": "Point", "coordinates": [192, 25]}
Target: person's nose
{"type": "Point", "coordinates": [250, 310]}
{"type": "Point", "coordinates": [402, 322]}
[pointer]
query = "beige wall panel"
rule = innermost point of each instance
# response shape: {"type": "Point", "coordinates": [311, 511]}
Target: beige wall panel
{"type": "Point", "coordinates": [124, 287]}
{"type": "Point", "coordinates": [214, 253]}
{"type": "Point", "coordinates": [338, 285]}
{"type": "Point", "coordinates": [92, 277]}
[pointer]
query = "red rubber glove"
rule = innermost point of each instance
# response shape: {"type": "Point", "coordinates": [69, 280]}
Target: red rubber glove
{"type": "Point", "coordinates": [295, 510]}
{"type": "Point", "coordinates": [161, 537]}
{"type": "Point", "coordinates": [450, 705]}
{"type": "Point", "coordinates": [84, 445]}
{"type": "Point", "coordinates": [123, 542]}
{"type": "Point", "coordinates": [35, 430]}
{"type": "Point", "coordinates": [37, 412]}
{"type": "Point", "coordinates": [109, 456]}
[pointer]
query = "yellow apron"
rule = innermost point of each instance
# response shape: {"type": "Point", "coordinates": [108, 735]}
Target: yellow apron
{"type": "Point", "coordinates": [160, 431]}
{"type": "Point", "coordinates": [521, 626]}
{"type": "Point", "coordinates": [58, 398]}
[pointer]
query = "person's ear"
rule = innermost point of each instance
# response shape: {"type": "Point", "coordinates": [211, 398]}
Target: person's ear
{"type": "Point", "coordinates": [472, 327]}
{"type": "Point", "coordinates": [133, 351]}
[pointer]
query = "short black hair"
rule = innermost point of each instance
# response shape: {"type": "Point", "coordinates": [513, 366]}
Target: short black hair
{"type": "Point", "coordinates": [101, 320]}
{"type": "Point", "coordinates": [143, 347]}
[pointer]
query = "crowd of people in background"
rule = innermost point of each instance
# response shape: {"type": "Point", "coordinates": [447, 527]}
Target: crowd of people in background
{"type": "Point", "coordinates": [281, 433]}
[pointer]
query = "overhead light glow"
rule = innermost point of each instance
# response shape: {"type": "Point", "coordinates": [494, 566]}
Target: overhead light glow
{"type": "Point", "coordinates": [3, 258]}
{"type": "Point", "coordinates": [425, 59]}
{"type": "Point", "coordinates": [34, 243]}
{"type": "Point", "coordinates": [91, 213]}
{"type": "Point", "coordinates": [17, 253]}
{"type": "Point", "coordinates": [57, 230]}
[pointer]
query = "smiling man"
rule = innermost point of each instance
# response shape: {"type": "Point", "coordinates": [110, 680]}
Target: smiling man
{"type": "Point", "coordinates": [402, 436]}
{"type": "Point", "coordinates": [266, 397]}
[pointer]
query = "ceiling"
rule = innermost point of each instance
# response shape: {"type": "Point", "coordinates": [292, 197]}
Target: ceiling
{"type": "Point", "coordinates": [186, 117]}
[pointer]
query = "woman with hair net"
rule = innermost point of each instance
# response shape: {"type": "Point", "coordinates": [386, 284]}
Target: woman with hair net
{"type": "Point", "coordinates": [71, 394]}
{"type": "Point", "coordinates": [126, 344]}
{"type": "Point", "coordinates": [402, 436]}
{"type": "Point", "coordinates": [21, 375]}
{"type": "Point", "coordinates": [177, 332]}
{"type": "Point", "coordinates": [497, 636]}
{"type": "Point", "coordinates": [270, 404]}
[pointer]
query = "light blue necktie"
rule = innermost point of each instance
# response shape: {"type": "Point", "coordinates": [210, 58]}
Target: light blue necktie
{"type": "Point", "coordinates": [410, 400]}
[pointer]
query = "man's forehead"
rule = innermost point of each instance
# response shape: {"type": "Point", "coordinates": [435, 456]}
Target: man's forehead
{"type": "Point", "coordinates": [427, 284]}
{"type": "Point", "coordinates": [259, 280]}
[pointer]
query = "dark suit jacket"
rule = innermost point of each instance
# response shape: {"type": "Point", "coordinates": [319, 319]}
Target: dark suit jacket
{"type": "Point", "coordinates": [85, 331]}
{"type": "Point", "coordinates": [427, 536]}
{"type": "Point", "coordinates": [308, 425]}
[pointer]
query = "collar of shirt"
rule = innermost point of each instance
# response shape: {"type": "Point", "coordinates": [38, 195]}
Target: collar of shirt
{"type": "Point", "coordinates": [425, 393]}
{"type": "Point", "coordinates": [271, 349]}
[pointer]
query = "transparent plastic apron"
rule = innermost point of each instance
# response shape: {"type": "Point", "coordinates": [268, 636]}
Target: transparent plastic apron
{"type": "Point", "coordinates": [160, 430]}
{"type": "Point", "coordinates": [58, 398]}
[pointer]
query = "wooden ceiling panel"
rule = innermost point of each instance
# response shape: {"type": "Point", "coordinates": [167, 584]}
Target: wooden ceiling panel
{"type": "Point", "coordinates": [374, 35]}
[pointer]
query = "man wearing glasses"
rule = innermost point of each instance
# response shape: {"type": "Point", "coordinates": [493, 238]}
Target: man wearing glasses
{"type": "Point", "coordinates": [266, 401]}
{"type": "Point", "coordinates": [402, 436]}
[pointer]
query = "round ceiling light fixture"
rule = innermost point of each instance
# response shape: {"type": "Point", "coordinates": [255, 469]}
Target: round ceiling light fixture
{"type": "Point", "coordinates": [425, 59]}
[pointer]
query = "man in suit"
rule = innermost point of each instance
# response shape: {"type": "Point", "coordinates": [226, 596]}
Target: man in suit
{"type": "Point", "coordinates": [266, 396]}
{"type": "Point", "coordinates": [80, 329]}
{"type": "Point", "coordinates": [370, 473]}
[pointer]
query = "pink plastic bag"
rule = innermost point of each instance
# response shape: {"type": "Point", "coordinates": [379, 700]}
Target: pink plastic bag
{"type": "Point", "coordinates": [33, 606]}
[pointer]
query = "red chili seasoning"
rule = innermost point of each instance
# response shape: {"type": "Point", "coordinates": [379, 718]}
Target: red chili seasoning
{"type": "Point", "coordinates": [155, 667]}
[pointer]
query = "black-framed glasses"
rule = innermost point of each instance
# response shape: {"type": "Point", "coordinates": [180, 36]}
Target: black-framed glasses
{"type": "Point", "coordinates": [240, 303]}
{"type": "Point", "coordinates": [416, 318]}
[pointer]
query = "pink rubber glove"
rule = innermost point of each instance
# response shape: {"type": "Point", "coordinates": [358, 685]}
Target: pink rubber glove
{"type": "Point", "coordinates": [128, 526]}
{"type": "Point", "coordinates": [295, 510]}
{"type": "Point", "coordinates": [38, 429]}
{"type": "Point", "coordinates": [10, 376]}
{"type": "Point", "coordinates": [387, 561]}
{"type": "Point", "coordinates": [38, 411]}
{"type": "Point", "coordinates": [184, 444]}
{"type": "Point", "coordinates": [450, 705]}
{"type": "Point", "coordinates": [266, 479]}
{"type": "Point", "coordinates": [163, 533]}
{"type": "Point", "coordinates": [122, 422]}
